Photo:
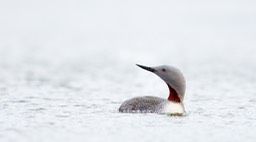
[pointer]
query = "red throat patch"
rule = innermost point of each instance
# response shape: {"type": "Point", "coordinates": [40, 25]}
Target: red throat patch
{"type": "Point", "coordinates": [173, 95]}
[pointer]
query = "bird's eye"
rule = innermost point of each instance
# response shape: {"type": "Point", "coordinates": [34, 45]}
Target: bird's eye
{"type": "Point", "coordinates": [163, 69]}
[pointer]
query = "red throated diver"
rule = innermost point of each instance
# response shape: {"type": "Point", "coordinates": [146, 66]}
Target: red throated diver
{"type": "Point", "coordinates": [149, 104]}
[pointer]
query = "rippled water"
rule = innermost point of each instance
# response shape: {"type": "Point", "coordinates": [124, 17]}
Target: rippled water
{"type": "Point", "coordinates": [65, 71]}
{"type": "Point", "coordinates": [69, 101]}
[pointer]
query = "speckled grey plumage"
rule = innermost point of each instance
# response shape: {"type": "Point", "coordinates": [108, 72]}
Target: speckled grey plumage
{"type": "Point", "coordinates": [144, 104]}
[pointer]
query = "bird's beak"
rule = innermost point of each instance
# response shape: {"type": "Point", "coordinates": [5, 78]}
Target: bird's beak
{"type": "Point", "coordinates": [147, 68]}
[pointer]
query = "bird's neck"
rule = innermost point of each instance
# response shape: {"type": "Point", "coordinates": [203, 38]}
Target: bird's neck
{"type": "Point", "coordinates": [173, 95]}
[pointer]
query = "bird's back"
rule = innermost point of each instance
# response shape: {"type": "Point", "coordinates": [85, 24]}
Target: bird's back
{"type": "Point", "coordinates": [147, 104]}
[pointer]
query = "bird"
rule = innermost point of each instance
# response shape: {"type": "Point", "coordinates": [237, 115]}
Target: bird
{"type": "Point", "coordinates": [173, 105]}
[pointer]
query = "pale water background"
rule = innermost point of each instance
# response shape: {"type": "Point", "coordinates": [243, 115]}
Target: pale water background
{"type": "Point", "coordinates": [66, 66]}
